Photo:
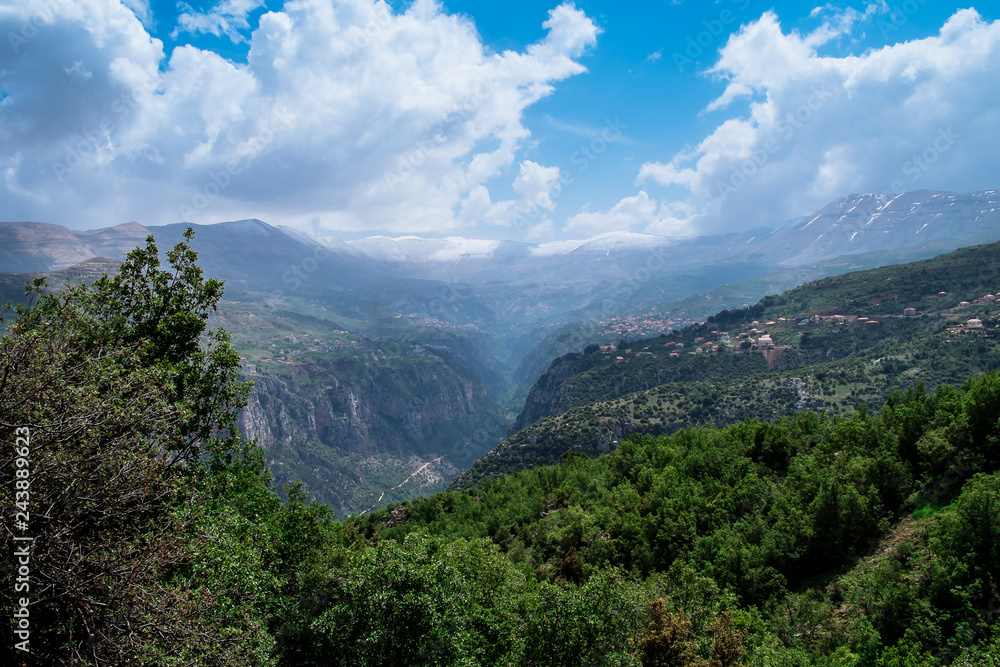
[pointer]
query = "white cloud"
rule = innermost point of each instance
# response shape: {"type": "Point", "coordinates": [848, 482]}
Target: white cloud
{"type": "Point", "coordinates": [538, 186]}
{"type": "Point", "coordinates": [141, 10]}
{"type": "Point", "coordinates": [345, 117]}
{"type": "Point", "coordinates": [640, 213]}
{"type": "Point", "coordinates": [228, 18]}
{"type": "Point", "coordinates": [920, 114]}
{"type": "Point", "coordinates": [628, 214]}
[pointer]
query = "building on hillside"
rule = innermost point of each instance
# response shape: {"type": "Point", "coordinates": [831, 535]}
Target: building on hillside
{"type": "Point", "coordinates": [974, 324]}
{"type": "Point", "coordinates": [964, 304]}
{"type": "Point", "coordinates": [765, 342]}
{"type": "Point", "coordinates": [910, 312]}
{"type": "Point", "coordinates": [724, 337]}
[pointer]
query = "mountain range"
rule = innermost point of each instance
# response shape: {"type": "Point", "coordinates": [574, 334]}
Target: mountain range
{"type": "Point", "coordinates": [852, 225]}
{"type": "Point", "coordinates": [351, 407]}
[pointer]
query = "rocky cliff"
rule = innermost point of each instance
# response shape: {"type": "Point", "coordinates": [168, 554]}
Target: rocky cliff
{"type": "Point", "coordinates": [361, 435]}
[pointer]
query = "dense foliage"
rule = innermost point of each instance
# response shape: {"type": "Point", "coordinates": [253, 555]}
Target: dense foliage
{"type": "Point", "coordinates": [864, 537]}
{"type": "Point", "coordinates": [126, 407]}
{"type": "Point", "coordinates": [867, 539]}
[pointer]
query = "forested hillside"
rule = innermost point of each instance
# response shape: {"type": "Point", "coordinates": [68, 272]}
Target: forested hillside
{"type": "Point", "coordinates": [934, 288]}
{"type": "Point", "coordinates": [827, 346]}
{"type": "Point", "coordinates": [158, 538]}
{"type": "Point", "coordinates": [859, 540]}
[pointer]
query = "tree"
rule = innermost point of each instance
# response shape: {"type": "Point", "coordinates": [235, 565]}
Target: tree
{"type": "Point", "coordinates": [667, 641]}
{"type": "Point", "coordinates": [727, 646]}
{"type": "Point", "coordinates": [127, 407]}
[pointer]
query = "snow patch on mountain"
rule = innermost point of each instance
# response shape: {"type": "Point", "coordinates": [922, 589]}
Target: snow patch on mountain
{"type": "Point", "coordinates": [415, 249]}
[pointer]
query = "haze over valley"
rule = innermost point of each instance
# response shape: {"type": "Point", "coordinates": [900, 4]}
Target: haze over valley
{"type": "Point", "coordinates": [384, 367]}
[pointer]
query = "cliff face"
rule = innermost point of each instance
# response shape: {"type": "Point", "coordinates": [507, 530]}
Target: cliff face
{"type": "Point", "coordinates": [355, 432]}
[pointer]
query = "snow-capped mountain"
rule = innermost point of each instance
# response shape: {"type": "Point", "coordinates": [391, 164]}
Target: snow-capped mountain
{"type": "Point", "coordinates": [605, 256]}
{"type": "Point", "coordinates": [324, 242]}
{"type": "Point", "coordinates": [860, 223]}
{"type": "Point", "coordinates": [416, 250]}
{"type": "Point", "coordinates": [252, 252]}
{"type": "Point", "coordinates": [452, 249]}
{"type": "Point", "coordinates": [601, 243]}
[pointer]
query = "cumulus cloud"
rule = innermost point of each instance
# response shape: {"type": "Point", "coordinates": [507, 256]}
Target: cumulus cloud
{"type": "Point", "coordinates": [142, 11]}
{"type": "Point", "coordinates": [228, 18]}
{"type": "Point", "coordinates": [639, 213]}
{"type": "Point", "coordinates": [538, 186]}
{"type": "Point", "coordinates": [919, 114]}
{"type": "Point", "coordinates": [346, 116]}
{"type": "Point", "coordinates": [627, 214]}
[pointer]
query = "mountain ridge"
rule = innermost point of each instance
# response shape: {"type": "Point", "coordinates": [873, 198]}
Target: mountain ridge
{"type": "Point", "coordinates": [844, 226]}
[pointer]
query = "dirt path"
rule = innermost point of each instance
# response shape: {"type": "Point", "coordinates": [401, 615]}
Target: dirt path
{"type": "Point", "coordinates": [412, 475]}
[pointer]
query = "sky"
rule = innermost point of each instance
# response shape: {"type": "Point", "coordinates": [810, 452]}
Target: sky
{"type": "Point", "coordinates": [530, 121]}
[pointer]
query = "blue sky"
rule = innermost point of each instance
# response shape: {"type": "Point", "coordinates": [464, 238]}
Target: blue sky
{"type": "Point", "coordinates": [521, 120]}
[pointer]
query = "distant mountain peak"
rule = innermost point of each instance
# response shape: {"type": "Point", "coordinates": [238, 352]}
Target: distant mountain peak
{"type": "Point", "coordinates": [876, 221]}
{"type": "Point", "coordinates": [130, 227]}
{"type": "Point", "coordinates": [250, 226]}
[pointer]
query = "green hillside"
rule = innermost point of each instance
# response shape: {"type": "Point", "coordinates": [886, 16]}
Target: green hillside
{"type": "Point", "coordinates": [848, 340]}
{"type": "Point", "coordinates": [361, 419]}
{"type": "Point", "coordinates": [869, 539]}
{"type": "Point", "coordinates": [946, 356]}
